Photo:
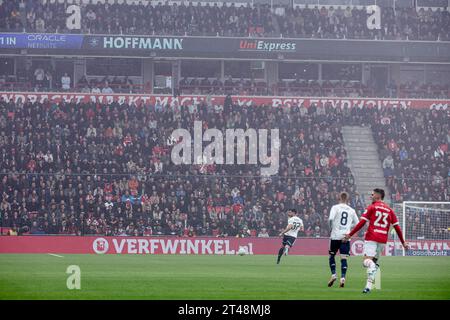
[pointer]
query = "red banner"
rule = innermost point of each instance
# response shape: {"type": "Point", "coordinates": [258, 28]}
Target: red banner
{"type": "Point", "coordinates": [279, 101]}
{"type": "Point", "coordinates": [196, 246]}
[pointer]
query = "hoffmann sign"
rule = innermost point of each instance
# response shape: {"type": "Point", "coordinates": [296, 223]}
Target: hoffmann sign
{"type": "Point", "coordinates": [274, 101]}
{"type": "Point", "coordinates": [195, 246]}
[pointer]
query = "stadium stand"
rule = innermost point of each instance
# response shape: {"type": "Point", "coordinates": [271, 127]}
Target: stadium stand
{"type": "Point", "coordinates": [414, 146]}
{"type": "Point", "coordinates": [211, 19]}
{"type": "Point", "coordinates": [91, 170]}
{"type": "Point", "coordinates": [88, 168]}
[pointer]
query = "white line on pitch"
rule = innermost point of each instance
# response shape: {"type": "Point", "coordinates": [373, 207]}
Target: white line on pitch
{"type": "Point", "coordinates": [55, 255]}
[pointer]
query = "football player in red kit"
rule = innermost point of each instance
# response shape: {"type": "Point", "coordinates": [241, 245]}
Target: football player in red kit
{"type": "Point", "coordinates": [380, 217]}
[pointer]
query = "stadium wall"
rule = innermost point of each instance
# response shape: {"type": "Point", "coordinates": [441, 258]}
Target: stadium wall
{"type": "Point", "coordinates": [251, 48]}
{"type": "Point", "coordinates": [196, 246]}
{"type": "Point", "coordinates": [275, 101]}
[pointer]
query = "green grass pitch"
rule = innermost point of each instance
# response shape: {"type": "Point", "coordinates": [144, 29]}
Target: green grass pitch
{"type": "Point", "coordinates": [42, 276]}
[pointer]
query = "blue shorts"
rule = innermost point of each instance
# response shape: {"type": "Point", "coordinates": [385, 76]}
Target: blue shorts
{"type": "Point", "coordinates": [288, 240]}
{"type": "Point", "coordinates": [339, 245]}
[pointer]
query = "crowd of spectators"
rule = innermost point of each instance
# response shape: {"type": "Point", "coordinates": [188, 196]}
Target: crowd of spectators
{"type": "Point", "coordinates": [228, 86]}
{"type": "Point", "coordinates": [105, 169]}
{"type": "Point", "coordinates": [414, 89]}
{"type": "Point", "coordinates": [109, 85]}
{"type": "Point", "coordinates": [351, 23]}
{"type": "Point", "coordinates": [228, 20]}
{"type": "Point", "coordinates": [94, 85]}
{"type": "Point", "coordinates": [313, 88]}
{"type": "Point", "coordinates": [163, 19]}
{"type": "Point", "coordinates": [91, 168]}
{"type": "Point", "coordinates": [413, 148]}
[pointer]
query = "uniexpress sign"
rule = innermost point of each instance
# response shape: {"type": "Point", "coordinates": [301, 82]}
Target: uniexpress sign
{"type": "Point", "coordinates": [267, 46]}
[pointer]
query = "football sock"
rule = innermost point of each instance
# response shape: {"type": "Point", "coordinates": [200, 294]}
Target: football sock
{"type": "Point", "coordinates": [280, 253]}
{"type": "Point", "coordinates": [369, 284]}
{"type": "Point", "coordinates": [343, 267]}
{"type": "Point", "coordinates": [371, 271]}
{"type": "Point", "coordinates": [332, 262]}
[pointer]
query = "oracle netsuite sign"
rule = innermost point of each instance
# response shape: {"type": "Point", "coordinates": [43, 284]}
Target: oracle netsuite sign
{"type": "Point", "coordinates": [40, 41]}
{"type": "Point", "coordinates": [137, 43]}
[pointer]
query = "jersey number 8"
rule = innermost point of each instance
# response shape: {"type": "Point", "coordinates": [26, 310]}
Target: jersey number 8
{"type": "Point", "coordinates": [344, 218]}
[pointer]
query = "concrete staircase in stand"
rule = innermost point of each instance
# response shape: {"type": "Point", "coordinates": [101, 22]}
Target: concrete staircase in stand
{"type": "Point", "coordinates": [363, 160]}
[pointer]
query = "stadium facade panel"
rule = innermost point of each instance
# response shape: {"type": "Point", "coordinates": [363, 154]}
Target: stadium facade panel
{"type": "Point", "coordinates": [225, 47]}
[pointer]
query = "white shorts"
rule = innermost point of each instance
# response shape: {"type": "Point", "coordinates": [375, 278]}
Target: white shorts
{"type": "Point", "coordinates": [373, 248]}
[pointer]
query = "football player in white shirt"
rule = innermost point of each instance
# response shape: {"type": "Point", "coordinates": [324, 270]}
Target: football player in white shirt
{"type": "Point", "coordinates": [342, 219]}
{"type": "Point", "coordinates": [295, 224]}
